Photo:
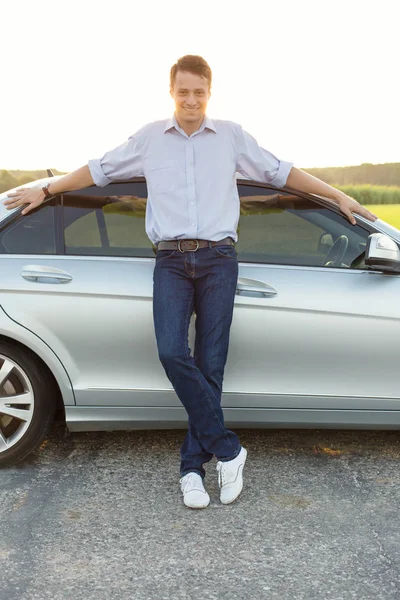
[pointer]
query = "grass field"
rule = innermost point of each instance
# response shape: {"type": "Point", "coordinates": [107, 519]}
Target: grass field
{"type": "Point", "coordinates": [372, 194]}
{"type": "Point", "coordinates": [388, 212]}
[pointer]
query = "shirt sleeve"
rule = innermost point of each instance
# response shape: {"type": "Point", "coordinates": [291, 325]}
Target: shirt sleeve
{"type": "Point", "coordinates": [123, 162]}
{"type": "Point", "coordinates": [259, 164]}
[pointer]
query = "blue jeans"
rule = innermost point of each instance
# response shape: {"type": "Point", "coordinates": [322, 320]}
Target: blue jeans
{"type": "Point", "coordinates": [204, 282]}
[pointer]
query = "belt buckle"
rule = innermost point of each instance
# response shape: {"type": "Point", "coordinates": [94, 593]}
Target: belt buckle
{"type": "Point", "coordinates": [188, 249]}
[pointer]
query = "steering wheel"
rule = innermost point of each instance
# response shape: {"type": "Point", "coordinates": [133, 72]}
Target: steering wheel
{"type": "Point", "coordinates": [336, 254]}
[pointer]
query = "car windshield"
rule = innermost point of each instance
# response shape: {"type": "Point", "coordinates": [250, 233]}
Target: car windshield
{"type": "Point", "coordinates": [4, 212]}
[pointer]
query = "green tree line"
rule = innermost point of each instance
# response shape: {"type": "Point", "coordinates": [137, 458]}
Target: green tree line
{"type": "Point", "coordinates": [385, 174]}
{"type": "Point", "coordinates": [12, 179]}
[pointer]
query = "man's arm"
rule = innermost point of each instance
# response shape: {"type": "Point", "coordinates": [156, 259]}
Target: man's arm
{"type": "Point", "coordinates": [123, 162]}
{"type": "Point", "coordinates": [33, 197]}
{"type": "Point", "coordinates": [304, 182]}
{"type": "Point", "coordinates": [255, 162]}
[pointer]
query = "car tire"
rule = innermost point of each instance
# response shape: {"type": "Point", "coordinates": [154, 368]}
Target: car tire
{"type": "Point", "coordinates": [25, 421]}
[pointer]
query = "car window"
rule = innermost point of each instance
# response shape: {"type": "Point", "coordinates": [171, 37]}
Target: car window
{"type": "Point", "coordinates": [108, 225]}
{"type": "Point", "coordinates": [280, 228]}
{"type": "Point", "coordinates": [33, 233]}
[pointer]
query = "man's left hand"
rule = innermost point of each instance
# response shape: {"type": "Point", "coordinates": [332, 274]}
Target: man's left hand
{"type": "Point", "coordinates": [348, 206]}
{"type": "Point", "coordinates": [304, 182]}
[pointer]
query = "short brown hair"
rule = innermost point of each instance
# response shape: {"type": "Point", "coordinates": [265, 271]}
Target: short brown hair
{"type": "Point", "coordinates": [193, 64]}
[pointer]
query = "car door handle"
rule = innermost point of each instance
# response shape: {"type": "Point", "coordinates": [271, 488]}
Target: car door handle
{"type": "Point", "coordinates": [246, 286]}
{"type": "Point", "coordinates": [35, 272]}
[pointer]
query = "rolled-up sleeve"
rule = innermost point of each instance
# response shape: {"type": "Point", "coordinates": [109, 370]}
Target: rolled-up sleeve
{"type": "Point", "coordinates": [123, 162]}
{"type": "Point", "coordinates": [259, 164]}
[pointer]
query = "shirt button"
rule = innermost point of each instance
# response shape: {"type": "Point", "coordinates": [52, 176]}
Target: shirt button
{"type": "Point", "coordinates": [193, 224]}
{"type": "Point", "coordinates": [192, 204]}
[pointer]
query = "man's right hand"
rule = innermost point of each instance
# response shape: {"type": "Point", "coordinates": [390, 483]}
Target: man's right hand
{"type": "Point", "coordinates": [32, 197]}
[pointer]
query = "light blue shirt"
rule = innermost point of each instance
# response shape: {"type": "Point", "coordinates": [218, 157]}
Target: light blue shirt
{"type": "Point", "coordinates": [191, 180]}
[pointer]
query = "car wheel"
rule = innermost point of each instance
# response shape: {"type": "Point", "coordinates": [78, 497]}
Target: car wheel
{"type": "Point", "coordinates": [27, 403]}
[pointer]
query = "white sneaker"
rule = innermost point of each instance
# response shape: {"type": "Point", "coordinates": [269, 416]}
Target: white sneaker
{"type": "Point", "coordinates": [194, 494]}
{"type": "Point", "coordinates": [230, 477]}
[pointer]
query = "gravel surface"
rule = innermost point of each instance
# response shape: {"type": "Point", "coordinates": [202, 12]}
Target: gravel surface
{"type": "Point", "coordinates": [100, 516]}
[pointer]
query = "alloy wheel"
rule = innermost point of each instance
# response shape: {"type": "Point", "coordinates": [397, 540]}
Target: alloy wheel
{"type": "Point", "coordinates": [16, 403]}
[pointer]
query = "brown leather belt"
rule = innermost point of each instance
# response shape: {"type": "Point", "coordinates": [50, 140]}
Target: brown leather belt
{"type": "Point", "coordinates": [192, 245]}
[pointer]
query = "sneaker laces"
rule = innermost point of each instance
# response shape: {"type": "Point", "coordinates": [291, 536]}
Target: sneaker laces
{"type": "Point", "coordinates": [188, 482]}
{"type": "Point", "coordinates": [223, 472]}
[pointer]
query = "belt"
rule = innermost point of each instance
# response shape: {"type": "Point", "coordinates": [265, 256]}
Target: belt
{"type": "Point", "coordinates": [192, 245]}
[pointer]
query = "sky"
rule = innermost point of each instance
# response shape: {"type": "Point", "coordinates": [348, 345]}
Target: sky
{"type": "Point", "coordinates": [316, 82]}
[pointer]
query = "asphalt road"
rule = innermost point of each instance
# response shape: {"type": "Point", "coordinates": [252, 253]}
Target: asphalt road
{"type": "Point", "coordinates": [99, 516]}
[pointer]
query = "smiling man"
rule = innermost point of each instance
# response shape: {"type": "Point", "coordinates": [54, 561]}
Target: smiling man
{"type": "Point", "coordinates": [190, 162]}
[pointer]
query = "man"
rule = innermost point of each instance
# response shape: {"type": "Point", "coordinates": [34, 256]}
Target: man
{"type": "Point", "coordinates": [190, 162]}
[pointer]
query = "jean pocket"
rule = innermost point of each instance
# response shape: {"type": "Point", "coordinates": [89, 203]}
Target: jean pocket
{"type": "Point", "coordinates": [165, 254]}
{"type": "Point", "coordinates": [226, 251]}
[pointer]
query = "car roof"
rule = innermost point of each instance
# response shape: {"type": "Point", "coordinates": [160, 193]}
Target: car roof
{"type": "Point", "coordinates": [4, 212]}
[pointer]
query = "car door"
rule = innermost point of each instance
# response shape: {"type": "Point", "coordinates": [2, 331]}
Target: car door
{"type": "Point", "coordinates": [306, 335]}
{"type": "Point", "coordinates": [78, 272]}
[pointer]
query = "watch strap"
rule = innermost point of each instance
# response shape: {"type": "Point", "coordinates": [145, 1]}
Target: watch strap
{"type": "Point", "coordinates": [45, 190]}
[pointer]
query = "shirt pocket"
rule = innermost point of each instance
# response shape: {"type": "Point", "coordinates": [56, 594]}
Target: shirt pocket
{"type": "Point", "coordinates": [161, 176]}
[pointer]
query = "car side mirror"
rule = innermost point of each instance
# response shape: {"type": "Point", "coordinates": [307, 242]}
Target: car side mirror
{"type": "Point", "coordinates": [382, 253]}
{"type": "Point", "coordinates": [325, 243]}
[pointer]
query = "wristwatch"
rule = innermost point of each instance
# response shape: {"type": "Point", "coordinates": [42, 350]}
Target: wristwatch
{"type": "Point", "coordinates": [46, 192]}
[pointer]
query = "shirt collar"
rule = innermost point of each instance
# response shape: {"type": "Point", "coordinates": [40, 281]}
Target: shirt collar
{"type": "Point", "coordinates": [207, 123]}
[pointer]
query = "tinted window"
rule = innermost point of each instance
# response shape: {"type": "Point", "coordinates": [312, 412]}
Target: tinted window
{"type": "Point", "coordinates": [31, 234]}
{"type": "Point", "coordinates": [107, 225]}
{"type": "Point", "coordinates": [279, 228]}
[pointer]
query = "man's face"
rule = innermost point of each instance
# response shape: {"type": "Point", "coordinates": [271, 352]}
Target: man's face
{"type": "Point", "coordinates": [191, 94]}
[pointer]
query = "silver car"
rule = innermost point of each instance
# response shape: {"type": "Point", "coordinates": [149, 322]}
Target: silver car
{"type": "Point", "coordinates": [313, 342]}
